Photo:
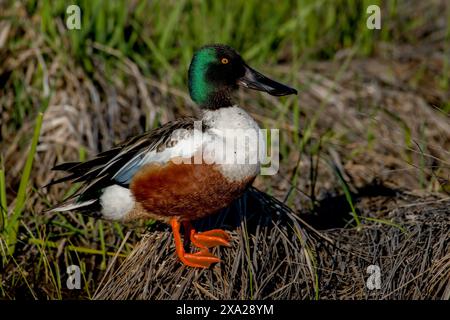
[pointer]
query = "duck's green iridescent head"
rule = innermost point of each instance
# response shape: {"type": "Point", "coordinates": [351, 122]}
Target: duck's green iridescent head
{"type": "Point", "coordinates": [217, 70]}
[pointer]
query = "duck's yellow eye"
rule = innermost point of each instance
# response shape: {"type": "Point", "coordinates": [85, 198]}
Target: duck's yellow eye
{"type": "Point", "coordinates": [224, 60]}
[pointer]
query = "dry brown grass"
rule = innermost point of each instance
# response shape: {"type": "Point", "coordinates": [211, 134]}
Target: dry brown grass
{"type": "Point", "coordinates": [277, 255]}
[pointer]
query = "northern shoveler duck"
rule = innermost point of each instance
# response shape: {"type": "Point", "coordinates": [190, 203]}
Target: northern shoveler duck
{"type": "Point", "coordinates": [141, 179]}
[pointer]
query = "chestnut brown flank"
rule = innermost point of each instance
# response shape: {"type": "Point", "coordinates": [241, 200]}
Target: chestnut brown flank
{"type": "Point", "coordinates": [188, 191]}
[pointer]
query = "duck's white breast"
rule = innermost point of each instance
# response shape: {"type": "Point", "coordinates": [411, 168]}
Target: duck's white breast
{"type": "Point", "coordinates": [240, 133]}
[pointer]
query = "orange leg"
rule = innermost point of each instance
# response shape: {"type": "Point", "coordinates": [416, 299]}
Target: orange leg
{"type": "Point", "coordinates": [207, 239]}
{"type": "Point", "coordinates": [200, 259]}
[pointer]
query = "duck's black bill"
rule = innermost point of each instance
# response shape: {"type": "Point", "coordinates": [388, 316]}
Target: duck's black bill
{"type": "Point", "coordinates": [257, 81]}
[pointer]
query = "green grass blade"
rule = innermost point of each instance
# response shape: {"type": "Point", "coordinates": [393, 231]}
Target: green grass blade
{"type": "Point", "coordinates": [348, 196]}
{"type": "Point", "coordinates": [54, 245]}
{"type": "Point", "coordinates": [13, 223]}
{"type": "Point", "coordinates": [102, 244]}
{"type": "Point", "coordinates": [3, 204]}
{"type": "Point", "coordinates": [386, 222]}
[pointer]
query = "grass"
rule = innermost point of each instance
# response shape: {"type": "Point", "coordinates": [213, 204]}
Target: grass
{"type": "Point", "coordinates": [307, 133]}
{"type": "Point", "coordinates": [348, 196]}
{"type": "Point", "coordinates": [164, 45]}
{"type": "Point", "coordinates": [11, 224]}
{"type": "Point", "coordinates": [3, 204]}
{"type": "Point", "coordinates": [125, 72]}
{"type": "Point", "coordinates": [50, 244]}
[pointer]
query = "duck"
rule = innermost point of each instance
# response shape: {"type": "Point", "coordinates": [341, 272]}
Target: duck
{"type": "Point", "coordinates": [174, 173]}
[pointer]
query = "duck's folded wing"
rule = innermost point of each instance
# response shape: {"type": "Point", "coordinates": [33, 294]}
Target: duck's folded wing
{"type": "Point", "coordinates": [118, 165]}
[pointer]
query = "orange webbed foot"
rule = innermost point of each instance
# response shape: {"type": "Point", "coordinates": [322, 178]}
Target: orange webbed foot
{"type": "Point", "coordinates": [200, 259]}
{"type": "Point", "coordinates": [210, 238]}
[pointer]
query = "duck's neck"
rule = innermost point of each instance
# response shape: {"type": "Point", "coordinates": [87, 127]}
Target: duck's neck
{"type": "Point", "coordinates": [217, 100]}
